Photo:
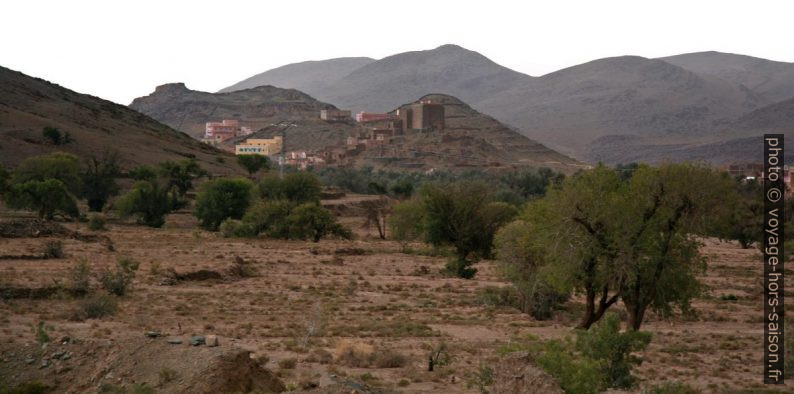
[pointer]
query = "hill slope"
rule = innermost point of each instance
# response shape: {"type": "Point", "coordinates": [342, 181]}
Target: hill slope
{"type": "Point", "coordinates": [310, 76]}
{"type": "Point", "coordinates": [28, 104]}
{"type": "Point", "coordinates": [769, 80]}
{"type": "Point", "coordinates": [188, 110]}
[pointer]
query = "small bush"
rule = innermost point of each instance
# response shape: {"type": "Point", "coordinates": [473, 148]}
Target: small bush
{"type": "Point", "coordinates": [545, 301]}
{"type": "Point", "coordinates": [597, 359]}
{"type": "Point", "coordinates": [41, 333]}
{"type": "Point", "coordinates": [728, 297]}
{"type": "Point", "coordinates": [26, 388]}
{"type": "Point", "coordinates": [118, 282]}
{"type": "Point", "coordinates": [80, 276]}
{"type": "Point", "coordinates": [167, 375]}
{"type": "Point", "coordinates": [53, 250]}
{"type": "Point", "coordinates": [232, 228]}
{"type": "Point", "coordinates": [242, 268]}
{"type": "Point", "coordinates": [387, 358]}
{"type": "Point", "coordinates": [53, 135]}
{"type": "Point", "coordinates": [95, 307]}
{"type": "Point", "coordinates": [494, 296]}
{"type": "Point", "coordinates": [288, 363]}
{"type": "Point", "coordinates": [96, 223]}
{"type": "Point", "coordinates": [481, 379]}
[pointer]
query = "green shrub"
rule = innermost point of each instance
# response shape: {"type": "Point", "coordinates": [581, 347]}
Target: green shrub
{"type": "Point", "coordinates": [80, 276]}
{"type": "Point", "coordinates": [253, 163]}
{"type": "Point", "coordinates": [288, 363]}
{"type": "Point", "coordinates": [99, 180]}
{"type": "Point", "coordinates": [149, 201]}
{"type": "Point", "coordinates": [220, 199]}
{"type": "Point", "coordinates": [270, 218]}
{"type": "Point", "coordinates": [41, 333]}
{"type": "Point", "coordinates": [96, 223]}
{"type": "Point", "coordinates": [26, 388]}
{"type": "Point", "coordinates": [301, 187]}
{"type": "Point", "coordinates": [613, 349]}
{"type": "Point", "coordinates": [53, 250]}
{"type": "Point", "coordinates": [594, 360]}
{"type": "Point", "coordinates": [298, 187]}
{"type": "Point", "coordinates": [118, 281]}
{"type": "Point", "coordinates": [181, 174]}
{"type": "Point", "coordinates": [494, 296]}
{"type": "Point", "coordinates": [48, 198]}
{"type": "Point", "coordinates": [311, 221]}
{"type": "Point", "coordinates": [232, 228]}
{"type": "Point", "coordinates": [143, 173]}
{"type": "Point", "coordinates": [544, 301]}
{"type": "Point", "coordinates": [53, 135]}
{"type": "Point", "coordinates": [481, 379]}
{"type": "Point", "coordinates": [95, 307]}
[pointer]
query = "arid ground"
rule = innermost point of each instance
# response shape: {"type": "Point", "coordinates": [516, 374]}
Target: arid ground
{"type": "Point", "coordinates": [317, 314]}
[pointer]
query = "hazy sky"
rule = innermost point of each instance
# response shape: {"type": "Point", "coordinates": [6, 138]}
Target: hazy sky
{"type": "Point", "coordinates": [119, 50]}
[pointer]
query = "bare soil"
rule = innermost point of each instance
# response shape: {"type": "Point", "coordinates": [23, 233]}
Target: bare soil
{"type": "Point", "coordinates": [334, 316]}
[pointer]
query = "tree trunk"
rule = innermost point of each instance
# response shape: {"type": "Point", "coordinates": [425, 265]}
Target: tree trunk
{"type": "Point", "coordinates": [636, 314]}
{"type": "Point", "coordinates": [589, 311]}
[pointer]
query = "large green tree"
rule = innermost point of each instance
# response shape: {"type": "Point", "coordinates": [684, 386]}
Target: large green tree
{"type": "Point", "coordinates": [99, 180]}
{"type": "Point", "coordinates": [181, 174]}
{"type": "Point", "coordinates": [220, 199]}
{"type": "Point", "coordinates": [253, 163]}
{"type": "Point", "coordinates": [622, 238]}
{"type": "Point", "coordinates": [149, 201]}
{"type": "Point", "coordinates": [465, 216]}
{"type": "Point", "coordinates": [46, 197]}
{"type": "Point", "coordinates": [61, 166]}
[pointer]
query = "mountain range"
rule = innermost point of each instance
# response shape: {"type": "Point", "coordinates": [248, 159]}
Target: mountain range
{"type": "Point", "coordinates": [618, 105]}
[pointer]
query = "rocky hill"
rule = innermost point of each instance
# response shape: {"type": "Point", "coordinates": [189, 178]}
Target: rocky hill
{"type": "Point", "coordinates": [310, 77]}
{"type": "Point", "coordinates": [189, 110]}
{"type": "Point", "coordinates": [769, 80]}
{"type": "Point", "coordinates": [469, 139]}
{"type": "Point", "coordinates": [29, 104]}
{"type": "Point", "coordinates": [627, 95]}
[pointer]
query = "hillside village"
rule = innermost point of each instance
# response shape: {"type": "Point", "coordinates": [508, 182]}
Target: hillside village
{"type": "Point", "coordinates": [337, 227]}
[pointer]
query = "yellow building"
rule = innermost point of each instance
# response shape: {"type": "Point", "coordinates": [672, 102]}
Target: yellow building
{"type": "Point", "coordinates": [259, 146]}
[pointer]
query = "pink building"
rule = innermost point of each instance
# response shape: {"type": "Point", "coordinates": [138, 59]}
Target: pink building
{"type": "Point", "coordinates": [228, 128]}
{"type": "Point", "coordinates": [371, 117]}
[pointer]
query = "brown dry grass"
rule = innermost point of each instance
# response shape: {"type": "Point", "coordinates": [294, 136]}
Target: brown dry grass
{"type": "Point", "coordinates": [310, 311]}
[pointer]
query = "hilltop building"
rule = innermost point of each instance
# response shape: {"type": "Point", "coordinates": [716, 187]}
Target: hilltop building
{"type": "Point", "coordinates": [217, 132]}
{"type": "Point", "coordinates": [334, 115]}
{"type": "Point", "coordinates": [260, 146]}
{"type": "Point", "coordinates": [422, 116]}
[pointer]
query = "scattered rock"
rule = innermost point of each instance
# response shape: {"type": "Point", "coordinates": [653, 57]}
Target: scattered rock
{"type": "Point", "coordinates": [30, 360]}
{"type": "Point", "coordinates": [44, 364]}
{"type": "Point", "coordinates": [152, 334]}
{"type": "Point", "coordinates": [174, 341]}
{"type": "Point", "coordinates": [58, 355]}
{"type": "Point", "coordinates": [197, 340]}
{"type": "Point", "coordinates": [212, 340]}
